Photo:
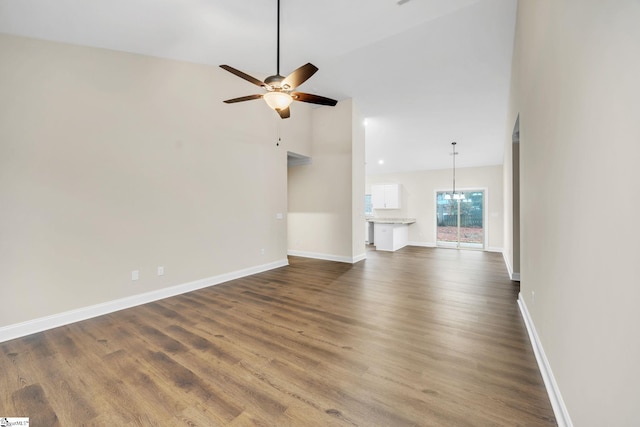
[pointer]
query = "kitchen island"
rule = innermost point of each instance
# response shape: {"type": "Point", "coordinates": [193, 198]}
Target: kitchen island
{"type": "Point", "coordinates": [390, 234]}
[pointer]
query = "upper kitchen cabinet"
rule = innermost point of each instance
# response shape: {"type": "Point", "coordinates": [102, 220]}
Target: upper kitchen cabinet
{"type": "Point", "coordinates": [385, 196]}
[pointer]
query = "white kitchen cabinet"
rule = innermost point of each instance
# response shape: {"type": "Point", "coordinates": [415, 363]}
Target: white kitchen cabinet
{"type": "Point", "coordinates": [385, 196]}
{"type": "Point", "coordinates": [390, 237]}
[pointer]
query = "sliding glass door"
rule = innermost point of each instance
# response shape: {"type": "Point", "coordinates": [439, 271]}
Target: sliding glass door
{"type": "Point", "coordinates": [460, 222]}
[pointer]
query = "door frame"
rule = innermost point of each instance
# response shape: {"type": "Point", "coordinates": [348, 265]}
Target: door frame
{"type": "Point", "coordinates": [485, 217]}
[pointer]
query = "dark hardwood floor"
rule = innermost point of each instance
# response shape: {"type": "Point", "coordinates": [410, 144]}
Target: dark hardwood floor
{"type": "Point", "coordinates": [421, 336]}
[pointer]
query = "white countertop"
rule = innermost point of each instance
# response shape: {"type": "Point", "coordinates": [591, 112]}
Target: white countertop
{"type": "Point", "coordinates": [392, 220]}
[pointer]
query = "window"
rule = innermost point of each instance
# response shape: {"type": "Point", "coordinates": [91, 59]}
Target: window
{"type": "Point", "coordinates": [460, 223]}
{"type": "Point", "coordinates": [368, 206]}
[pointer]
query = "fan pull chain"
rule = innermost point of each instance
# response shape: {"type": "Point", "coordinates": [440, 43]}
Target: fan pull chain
{"type": "Point", "coordinates": [278, 133]}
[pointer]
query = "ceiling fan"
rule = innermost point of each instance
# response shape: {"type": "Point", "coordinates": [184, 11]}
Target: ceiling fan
{"type": "Point", "coordinates": [280, 90]}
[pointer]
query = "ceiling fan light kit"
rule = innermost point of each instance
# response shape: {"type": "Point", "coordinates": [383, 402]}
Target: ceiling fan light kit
{"type": "Point", "coordinates": [279, 90]}
{"type": "Point", "coordinates": [277, 100]}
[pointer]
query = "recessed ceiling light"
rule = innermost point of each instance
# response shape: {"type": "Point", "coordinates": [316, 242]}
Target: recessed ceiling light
{"type": "Point", "coordinates": [381, 162]}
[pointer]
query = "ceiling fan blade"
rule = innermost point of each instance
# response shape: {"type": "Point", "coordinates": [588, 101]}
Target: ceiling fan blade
{"type": "Point", "coordinates": [243, 98]}
{"type": "Point", "coordinates": [313, 99]}
{"type": "Point", "coordinates": [285, 113]}
{"type": "Point", "coordinates": [299, 76]}
{"type": "Point", "coordinates": [242, 75]}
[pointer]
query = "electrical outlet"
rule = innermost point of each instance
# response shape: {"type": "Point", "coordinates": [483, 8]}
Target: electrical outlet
{"type": "Point", "coordinates": [135, 275]}
{"type": "Point", "coordinates": [160, 270]}
{"type": "Point", "coordinates": [262, 251]}
{"type": "Point", "coordinates": [533, 297]}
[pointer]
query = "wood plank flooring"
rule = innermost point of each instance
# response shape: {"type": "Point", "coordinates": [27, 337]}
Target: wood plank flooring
{"type": "Point", "coordinates": [417, 337]}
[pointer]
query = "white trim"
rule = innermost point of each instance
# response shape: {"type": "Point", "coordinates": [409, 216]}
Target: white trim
{"type": "Point", "coordinates": [60, 319]}
{"type": "Point", "coordinates": [422, 244]}
{"type": "Point", "coordinates": [327, 257]}
{"type": "Point", "coordinates": [508, 264]}
{"type": "Point", "coordinates": [513, 276]}
{"type": "Point", "coordinates": [359, 258]}
{"type": "Point", "coordinates": [559, 408]}
{"type": "Point", "coordinates": [485, 215]}
{"type": "Point", "coordinates": [433, 245]}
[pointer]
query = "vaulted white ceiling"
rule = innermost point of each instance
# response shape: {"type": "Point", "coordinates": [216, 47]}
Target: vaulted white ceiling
{"type": "Point", "coordinates": [423, 73]}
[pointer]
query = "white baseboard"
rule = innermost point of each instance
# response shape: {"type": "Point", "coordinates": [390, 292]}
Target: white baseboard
{"type": "Point", "coordinates": [559, 409]}
{"type": "Point", "coordinates": [327, 257]}
{"type": "Point", "coordinates": [359, 258]}
{"type": "Point", "coordinates": [48, 322]}
{"type": "Point", "coordinates": [422, 244]}
{"type": "Point", "coordinates": [513, 276]}
{"type": "Point", "coordinates": [433, 245]}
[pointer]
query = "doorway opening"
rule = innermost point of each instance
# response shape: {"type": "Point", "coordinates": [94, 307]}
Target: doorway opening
{"type": "Point", "coordinates": [515, 197]}
{"type": "Point", "coordinates": [460, 222]}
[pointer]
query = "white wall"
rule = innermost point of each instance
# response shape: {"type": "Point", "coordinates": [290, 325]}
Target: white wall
{"type": "Point", "coordinates": [112, 162]}
{"type": "Point", "coordinates": [511, 246]}
{"type": "Point", "coordinates": [575, 70]}
{"type": "Point", "coordinates": [321, 203]}
{"type": "Point", "coordinates": [358, 249]}
{"type": "Point", "coordinates": [419, 199]}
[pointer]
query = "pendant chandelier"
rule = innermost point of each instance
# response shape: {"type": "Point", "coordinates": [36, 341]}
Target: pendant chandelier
{"type": "Point", "coordinates": [453, 195]}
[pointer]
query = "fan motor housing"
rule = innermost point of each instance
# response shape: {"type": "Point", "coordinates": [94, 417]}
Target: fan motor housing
{"type": "Point", "coordinates": [274, 81]}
